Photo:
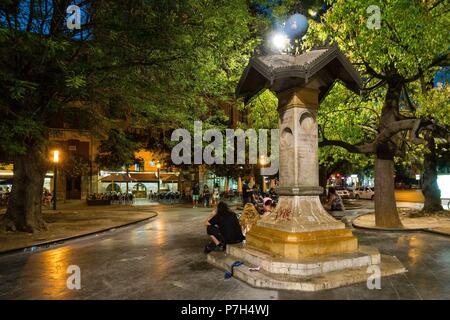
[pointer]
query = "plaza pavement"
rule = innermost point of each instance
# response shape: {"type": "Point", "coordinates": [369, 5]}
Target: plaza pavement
{"type": "Point", "coordinates": [74, 219]}
{"type": "Point", "coordinates": [163, 259]}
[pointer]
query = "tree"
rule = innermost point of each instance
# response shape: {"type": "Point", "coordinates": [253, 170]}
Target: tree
{"type": "Point", "coordinates": [133, 63]}
{"type": "Point", "coordinates": [433, 103]}
{"type": "Point", "coordinates": [345, 117]}
{"type": "Point", "coordinates": [408, 46]}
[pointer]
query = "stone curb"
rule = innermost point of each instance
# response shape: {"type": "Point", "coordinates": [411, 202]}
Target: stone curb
{"type": "Point", "coordinates": [59, 241]}
{"type": "Point", "coordinates": [429, 230]}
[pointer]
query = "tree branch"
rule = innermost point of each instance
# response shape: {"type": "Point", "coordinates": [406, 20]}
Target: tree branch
{"type": "Point", "coordinates": [362, 148]}
{"type": "Point", "coordinates": [383, 137]}
{"type": "Point", "coordinates": [437, 61]}
{"type": "Point", "coordinates": [372, 72]}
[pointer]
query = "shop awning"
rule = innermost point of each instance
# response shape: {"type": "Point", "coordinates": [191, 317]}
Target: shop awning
{"type": "Point", "coordinates": [145, 177]}
{"type": "Point", "coordinates": [139, 177]}
{"type": "Point", "coordinates": [122, 177]}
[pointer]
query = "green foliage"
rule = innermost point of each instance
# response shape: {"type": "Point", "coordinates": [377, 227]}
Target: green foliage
{"type": "Point", "coordinates": [74, 165]}
{"type": "Point", "coordinates": [346, 117]}
{"type": "Point", "coordinates": [117, 151]}
{"type": "Point", "coordinates": [145, 64]}
{"type": "Point", "coordinates": [405, 49]}
{"type": "Point", "coordinates": [411, 36]}
{"type": "Point", "coordinates": [434, 103]}
{"type": "Point", "coordinates": [263, 112]}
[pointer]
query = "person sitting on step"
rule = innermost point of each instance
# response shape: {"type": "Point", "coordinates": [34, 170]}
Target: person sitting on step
{"type": "Point", "coordinates": [223, 228]}
{"type": "Point", "coordinates": [334, 202]}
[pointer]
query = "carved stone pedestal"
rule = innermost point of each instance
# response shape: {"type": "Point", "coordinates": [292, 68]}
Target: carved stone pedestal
{"type": "Point", "coordinates": [302, 244]}
{"type": "Point", "coordinates": [300, 227]}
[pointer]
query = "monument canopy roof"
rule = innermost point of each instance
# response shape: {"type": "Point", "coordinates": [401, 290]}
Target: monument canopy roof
{"type": "Point", "coordinates": [319, 68]}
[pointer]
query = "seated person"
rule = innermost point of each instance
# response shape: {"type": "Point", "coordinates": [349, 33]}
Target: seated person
{"type": "Point", "coordinates": [249, 218]}
{"type": "Point", "coordinates": [267, 207]}
{"type": "Point", "coordinates": [334, 202]}
{"type": "Point", "coordinates": [223, 228]}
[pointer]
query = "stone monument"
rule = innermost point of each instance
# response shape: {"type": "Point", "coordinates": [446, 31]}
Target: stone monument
{"type": "Point", "coordinates": [299, 245]}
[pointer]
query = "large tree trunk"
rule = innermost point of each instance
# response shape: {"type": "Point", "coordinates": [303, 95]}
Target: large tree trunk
{"type": "Point", "coordinates": [430, 188]}
{"type": "Point", "coordinates": [24, 206]}
{"type": "Point", "coordinates": [386, 214]}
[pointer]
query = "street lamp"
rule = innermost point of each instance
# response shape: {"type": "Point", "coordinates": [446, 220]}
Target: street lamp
{"type": "Point", "coordinates": [158, 167]}
{"type": "Point", "coordinates": [263, 162]}
{"type": "Point", "coordinates": [55, 175]}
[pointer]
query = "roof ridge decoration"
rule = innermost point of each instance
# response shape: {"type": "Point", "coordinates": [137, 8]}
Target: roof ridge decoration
{"type": "Point", "coordinates": [279, 72]}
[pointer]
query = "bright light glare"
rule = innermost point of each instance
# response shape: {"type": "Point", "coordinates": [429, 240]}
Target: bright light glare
{"type": "Point", "coordinates": [280, 41]}
{"type": "Point", "coordinates": [263, 160]}
{"type": "Point", "coordinates": [444, 184]}
{"type": "Point", "coordinates": [312, 12]}
{"type": "Point", "coordinates": [56, 156]}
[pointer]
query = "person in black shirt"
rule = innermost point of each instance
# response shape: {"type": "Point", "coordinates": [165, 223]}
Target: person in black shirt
{"type": "Point", "coordinates": [245, 193]}
{"type": "Point", "coordinates": [223, 227]}
{"type": "Point", "coordinates": [195, 195]}
{"type": "Point", "coordinates": [206, 195]}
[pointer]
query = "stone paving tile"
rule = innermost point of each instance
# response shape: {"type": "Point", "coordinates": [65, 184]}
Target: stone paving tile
{"type": "Point", "coordinates": [163, 259]}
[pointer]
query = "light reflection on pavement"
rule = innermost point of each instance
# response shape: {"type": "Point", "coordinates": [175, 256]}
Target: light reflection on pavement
{"type": "Point", "coordinates": [163, 259]}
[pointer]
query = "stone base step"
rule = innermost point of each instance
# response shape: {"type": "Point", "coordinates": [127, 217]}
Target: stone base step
{"type": "Point", "coordinates": [262, 279]}
{"type": "Point", "coordinates": [365, 256]}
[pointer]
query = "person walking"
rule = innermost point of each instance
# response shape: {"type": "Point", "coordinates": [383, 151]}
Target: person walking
{"type": "Point", "coordinates": [195, 195]}
{"type": "Point", "coordinates": [216, 194]}
{"type": "Point", "coordinates": [245, 193]}
{"type": "Point", "coordinates": [206, 195]}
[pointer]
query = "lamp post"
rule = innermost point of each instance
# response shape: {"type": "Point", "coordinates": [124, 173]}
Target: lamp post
{"type": "Point", "coordinates": [55, 175]}
{"type": "Point", "coordinates": [158, 167]}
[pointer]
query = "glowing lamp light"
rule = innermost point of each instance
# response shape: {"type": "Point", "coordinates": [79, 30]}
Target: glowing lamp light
{"type": "Point", "coordinates": [158, 166]}
{"type": "Point", "coordinates": [279, 41]}
{"type": "Point", "coordinates": [443, 182]}
{"type": "Point", "coordinates": [55, 156]}
{"type": "Point", "coordinates": [263, 160]}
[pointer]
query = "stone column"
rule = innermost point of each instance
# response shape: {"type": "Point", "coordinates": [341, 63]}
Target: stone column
{"type": "Point", "coordinates": [300, 226]}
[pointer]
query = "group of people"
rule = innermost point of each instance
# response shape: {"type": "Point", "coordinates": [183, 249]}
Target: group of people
{"type": "Point", "coordinates": [255, 195]}
{"type": "Point", "coordinates": [224, 227]}
{"type": "Point", "coordinates": [206, 195]}
{"type": "Point", "coordinates": [166, 196]}
{"type": "Point", "coordinates": [114, 197]}
{"type": "Point", "coordinates": [47, 197]}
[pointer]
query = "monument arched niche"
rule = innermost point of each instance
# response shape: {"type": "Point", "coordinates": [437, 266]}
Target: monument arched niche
{"type": "Point", "coordinates": [287, 143]}
{"type": "Point", "coordinates": [308, 149]}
